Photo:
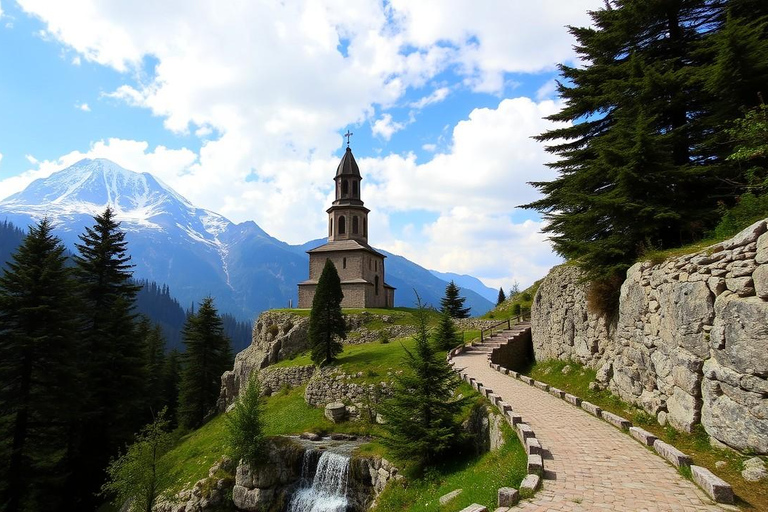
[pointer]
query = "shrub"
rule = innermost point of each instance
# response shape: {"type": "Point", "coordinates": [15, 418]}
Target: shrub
{"type": "Point", "coordinates": [245, 424]}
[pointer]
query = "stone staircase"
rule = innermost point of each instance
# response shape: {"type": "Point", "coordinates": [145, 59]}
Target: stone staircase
{"type": "Point", "coordinates": [493, 343]}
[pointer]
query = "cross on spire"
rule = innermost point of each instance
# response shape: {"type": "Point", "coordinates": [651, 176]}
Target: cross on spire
{"type": "Point", "coordinates": [348, 135]}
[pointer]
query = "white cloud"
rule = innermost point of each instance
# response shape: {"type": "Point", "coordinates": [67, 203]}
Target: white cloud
{"type": "Point", "coordinates": [429, 147]}
{"type": "Point", "coordinates": [1, 157]}
{"type": "Point", "coordinates": [76, 60]}
{"type": "Point", "coordinates": [437, 96]}
{"type": "Point", "coordinates": [31, 159]}
{"type": "Point", "coordinates": [385, 127]}
{"type": "Point", "coordinates": [83, 106]}
{"type": "Point", "coordinates": [547, 91]}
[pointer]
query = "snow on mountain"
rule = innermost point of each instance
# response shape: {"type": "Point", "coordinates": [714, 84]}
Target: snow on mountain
{"type": "Point", "coordinates": [194, 251]}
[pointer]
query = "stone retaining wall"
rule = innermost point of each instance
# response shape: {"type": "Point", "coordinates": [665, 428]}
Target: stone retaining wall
{"type": "Point", "coordinates": [516, 354]}
{"type": "Point", "coordinates": [690, 344]}
{"type": "Point", "coordinates": [333, 385]}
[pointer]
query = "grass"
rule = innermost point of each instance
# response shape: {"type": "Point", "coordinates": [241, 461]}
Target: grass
{"type": "Point", "coordinates": [750, 496]}
{"type": "Point", "coordinates": [507, 309]}
{"type": "Point", "coordinates": [479, 477]}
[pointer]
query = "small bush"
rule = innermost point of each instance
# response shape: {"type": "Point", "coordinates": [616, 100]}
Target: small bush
{"type": "Point", "coordinates": [748, 210]}
{"type": "Point", "coordinates": [603, 296]}
{"type": "Point", "coordinates": [245, 424]}
{"type": "Point", "coordinates": [516, 308]}
{"type": "Point", "coordinates": [273, 329]}
{"type": "Point", "coordinates": [384, 337]}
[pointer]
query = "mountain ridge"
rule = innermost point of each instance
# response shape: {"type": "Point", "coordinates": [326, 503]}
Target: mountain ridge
{"type": "Point", "coordinates": [196, 252]}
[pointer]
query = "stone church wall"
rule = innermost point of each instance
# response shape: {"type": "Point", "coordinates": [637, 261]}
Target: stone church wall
{"type": "Point", "coordinates": [691, 341]}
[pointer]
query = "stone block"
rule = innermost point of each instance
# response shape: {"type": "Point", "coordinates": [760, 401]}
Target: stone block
{"type": "Point", "coordinates": [514, 374]}
{"type": "Point", "coordinates": [336, 412]}
{"type": "Point", "coordinates": [529, 485]}
{"type": "Point", "coordinates": [504, 406]}
{"type": "Point", "coordinates": [742, 286]}
{"type": "Point", "coordinates": [746, 236]}
{"type": "Point", "coordinates": [487, 392]}
{"type": "Point", "coordinates": [448, 497]}
{"type": "Point", "coordinates": [526, 379]}
{"type": "Point", "coordinates": [505, 371]}
{"type": "Point", "coordinates": [642, 435]}
{"type": "Point", "coordinates": [474, 508]}
{"type": "Point", "coordinates": [591, 408]}
{"type": "Point", "coordinates": [533, 446]}
{"type": "Point", "coordinates": [616, 421]}
{"type": "Point", "coordinates": [480, 389]}
{"type": "Point", "coordinates": [541, 385]}
{"type": "Point", "coordinates": [524, 431]}
{"type": "Point", "coordinates": [513, 418]}
{"type": "Point", "coordinates": [558, 393]}
{"type": "Point", "coordinates": [715, 487]}
{"type": "Point", "coordinates": [573, 399]}
{"type": "Point", "coordinates": [760, 278]}
{"type": "Point", "coordinates": [762, 249]}
{"type": "Point", "coordinates": [672, 454]}
{"type": "Point", "coordinates": [508, 497]}
{"type": "Point", "coordinates": [535, 465]}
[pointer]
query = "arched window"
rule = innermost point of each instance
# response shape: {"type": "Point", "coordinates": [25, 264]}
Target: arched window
{"type": "Point", "coordinates": [330, 226]}
{"type": "Point", "coordinates": [344, 263]}
{"type": "Point", "coordinates": [377, 285]}
{"type": "Point", "coordinates": [365, 226]}
{"type": "Point", "coordinates": [355, 229]}
{"type": "Point", "coordinates": [344, 188]}
{"type": "Point", "coordinates": [354, 189]}
{"type": "Point", "coordinates": [342, 225]}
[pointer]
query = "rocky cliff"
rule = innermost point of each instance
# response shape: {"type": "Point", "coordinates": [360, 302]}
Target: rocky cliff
{"type": "Point", "coordinates": [690, 344]}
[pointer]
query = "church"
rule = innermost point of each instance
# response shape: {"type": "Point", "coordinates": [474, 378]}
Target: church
{"type": "Point", "coordinates": [360, 266]}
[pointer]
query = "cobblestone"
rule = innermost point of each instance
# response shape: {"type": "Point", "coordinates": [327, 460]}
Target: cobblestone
{"type": "Point", "coordinates": [588, 464]}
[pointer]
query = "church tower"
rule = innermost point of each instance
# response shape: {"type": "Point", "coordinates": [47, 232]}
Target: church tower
{"type": "Point", "coordinates": [360, 266]}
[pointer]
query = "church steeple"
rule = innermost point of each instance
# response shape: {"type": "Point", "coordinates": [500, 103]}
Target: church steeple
{"type": "Point", "coordinates": [347, 217]}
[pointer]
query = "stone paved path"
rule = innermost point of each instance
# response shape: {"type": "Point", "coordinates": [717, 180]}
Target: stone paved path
{"type": "Point", "coordinates": [589, 464]}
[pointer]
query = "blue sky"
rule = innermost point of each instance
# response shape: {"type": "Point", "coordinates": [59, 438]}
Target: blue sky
{"type": "Point", "coordinates": [242, 111]}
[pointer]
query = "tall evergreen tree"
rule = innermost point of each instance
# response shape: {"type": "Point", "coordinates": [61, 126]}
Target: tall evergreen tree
{"type": "Point", "coordinates": [452, 303]}
{"type": "Point", "coordinates": [39, 376]}
{"type": "Point", "coordinates": [422, 420]}
{"type": "Point", "coordinates": [502, 297]}
{"type": "Point", "coordinates": [114, 354]}
{"type": "Point", "coordinates": [154, 363]}
{"type": "Point", "coordinates": [171, 385]}
{"type": "Point", "coordinates": [326, 323]}
{"type": "Point", "coordinates": [639, 163]}
{"type": "Point", "coordinates": [207, 356]}
{"type": "Point", "coordinates": [446, 336]}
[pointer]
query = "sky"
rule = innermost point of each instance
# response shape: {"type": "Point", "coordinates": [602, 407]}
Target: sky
{"type": "Point", "coordinates": [241, 107]}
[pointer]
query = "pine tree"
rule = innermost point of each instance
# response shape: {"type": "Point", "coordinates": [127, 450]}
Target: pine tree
{"type": "Point", "coordinates": [326, 323]}
{"type": "Point", "coordinates": [154, 364]}
{"type": "Point", "coordinates": [446, 336]}
{"type": "Point", "coordinates": [452, 303]}
{"type": "Point", "coordinates": [422, 421]}
{"type": "Point", "coordinates": [501, 298]}
{"type": "Point", "coordinates": [39, 376]}
{"type": "Point", "coordinates": [114, 354]}
{"type": "Point", "coordinates": [207, 356]}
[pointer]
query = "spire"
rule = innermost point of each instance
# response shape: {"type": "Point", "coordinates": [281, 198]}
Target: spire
{"type": "Point", "coordinates": [348, 166]}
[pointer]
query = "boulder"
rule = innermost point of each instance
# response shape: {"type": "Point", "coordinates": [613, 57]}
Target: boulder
{"type": "Point", "coordinates": [754, 470]}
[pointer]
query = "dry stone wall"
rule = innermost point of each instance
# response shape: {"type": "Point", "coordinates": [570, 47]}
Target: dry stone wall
{"type": "Point", "coordinates": [691, 341]}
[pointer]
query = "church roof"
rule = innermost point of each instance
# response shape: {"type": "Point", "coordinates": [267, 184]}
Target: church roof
{"type": "Point", "coordinates": [348, 166]}
{"type": "Point", "coordinates": [345, 245]}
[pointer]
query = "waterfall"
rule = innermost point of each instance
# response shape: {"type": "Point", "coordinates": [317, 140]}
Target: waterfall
{"type": "Point", "coordinates": [327, 490]}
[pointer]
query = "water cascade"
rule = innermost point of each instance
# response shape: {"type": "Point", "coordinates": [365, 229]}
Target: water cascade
{"type": "Point", "coordinates": [327, 490]}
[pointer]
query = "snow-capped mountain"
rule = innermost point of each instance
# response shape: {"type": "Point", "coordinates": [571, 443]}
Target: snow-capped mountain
{"type": "Point", "coordinates": [194, 251]}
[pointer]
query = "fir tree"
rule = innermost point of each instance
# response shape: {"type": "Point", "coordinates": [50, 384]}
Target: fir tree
{"type": "Point", "coordinates": [422, 421]}
{"type": "Point", "coordinates": [154, 363]}
{"type": "Point", "coordinates": [452, 304]}
{"type": "Point", "coordinates": [326, 323]}
{"type": "Point", "coordinates": [207, 356]}
{"type": "Point", "coordinates": [501, 298]}
{"type": "Point", "coordinates": [114, 354]}
{"type": "Point", "coordinates": [446, 336]}
{"type": "Point", "coordinates": [171, 385]}
{"type": "Point", "coordinates": [642, 164]}
{"type": "Point", "coordinates": [39, 376]}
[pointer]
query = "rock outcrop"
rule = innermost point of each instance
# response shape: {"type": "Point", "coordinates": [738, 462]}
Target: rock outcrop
{"type": "Point", "coordinates": [690, 344]}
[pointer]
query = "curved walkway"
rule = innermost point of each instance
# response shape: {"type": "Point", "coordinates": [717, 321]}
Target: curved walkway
{"type": "Point", "coordinates": [589, 465]}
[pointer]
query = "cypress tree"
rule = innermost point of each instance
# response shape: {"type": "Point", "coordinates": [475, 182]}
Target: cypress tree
{"type": "Point", "coordinates": [452, 304]}
{"type": "Point", "coordinates": [39, 377]}
{"type": "Point", "coordinates": [114, 354]}
{"type": "Point", "coordinates": [501, 298]}
{"type": "Point", "coordinates": [207, 356]}
{"type": "Point", "coordinates": [422, 417]}
{"type": "Point", "coordinates": [326, 323]}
